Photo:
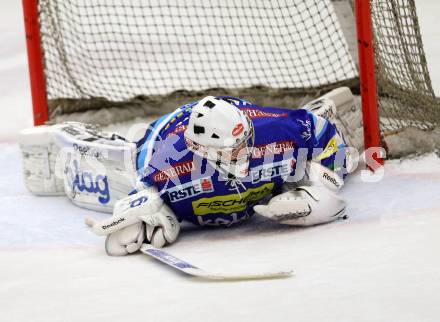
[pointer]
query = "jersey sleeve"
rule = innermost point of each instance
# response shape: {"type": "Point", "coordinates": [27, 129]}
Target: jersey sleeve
{"type": "Point", "coordinates": [329, 146]}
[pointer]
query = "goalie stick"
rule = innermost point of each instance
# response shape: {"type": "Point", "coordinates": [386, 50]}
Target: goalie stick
{"type": "Point", "coordinates": [192, 270]}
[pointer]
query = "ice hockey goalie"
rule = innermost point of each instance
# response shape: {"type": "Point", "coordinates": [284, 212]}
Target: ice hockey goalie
{"type": "Point", "coordinates": [214, 162]}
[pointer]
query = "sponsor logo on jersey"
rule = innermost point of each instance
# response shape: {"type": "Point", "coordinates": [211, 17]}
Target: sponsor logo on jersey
{"type": "Point", "coordinates": [257, 114]}
{"type": "Point", "coordinates": [177, 170]}
{"type": "Point", "coordinates": [178, 129]}
{"type": "Point", "coordinates": [232, 203]}
{"type": "Point", "coordinates": [238, 129]}
{"type": "Point", "coordinates": [266, 172]}
{"type": "Point", "coordinates": [80, 181]}
{"type": "Point", "coordinates": [330, 148]}
{"type": "Point", "coordinates": [232, 218]}
{"type": "Point", "coordinates": [307, 133]}
{"type": "Point", "coordinates": [260, 151]}
{"type": "Point", "coordinates": [190, 189]}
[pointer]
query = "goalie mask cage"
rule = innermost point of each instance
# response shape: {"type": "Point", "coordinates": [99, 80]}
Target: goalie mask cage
{"type": "Point", "coordinates": [133, 58]}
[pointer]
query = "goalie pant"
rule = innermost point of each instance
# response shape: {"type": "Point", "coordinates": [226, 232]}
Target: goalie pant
{"type": "Point", "coordinates": [196, 192]}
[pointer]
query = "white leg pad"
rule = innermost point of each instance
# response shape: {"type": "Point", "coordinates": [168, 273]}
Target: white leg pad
{"type": "Point", "coordinates": [93, 168]}
{"type": "Point", "coordinates": [98, 169]}
{"type": "Point", "coordinates": [39, 153]}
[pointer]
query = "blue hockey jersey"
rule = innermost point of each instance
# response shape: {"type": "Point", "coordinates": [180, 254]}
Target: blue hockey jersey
{"type": "Point", "coordinates": [200, 194]}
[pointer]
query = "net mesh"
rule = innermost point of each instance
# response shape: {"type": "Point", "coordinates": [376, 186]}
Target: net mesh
{"type": "Point", "coordinates": [406, 96]}
{"type": "Point", "coordinates": [135, 57]}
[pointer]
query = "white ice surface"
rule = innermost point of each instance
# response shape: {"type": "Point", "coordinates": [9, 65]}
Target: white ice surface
{"type": "Point", "coordinates": [382, 264]}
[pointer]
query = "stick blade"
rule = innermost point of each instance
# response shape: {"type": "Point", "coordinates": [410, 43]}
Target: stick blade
{"type": "Point", "coordinates": [246, 277]}
{"type": "Point", "coordinates": [192, 270]}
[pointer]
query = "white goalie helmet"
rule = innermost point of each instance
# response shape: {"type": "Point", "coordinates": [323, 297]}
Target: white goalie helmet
{"type": "Point", "coordinates": [221, 133]}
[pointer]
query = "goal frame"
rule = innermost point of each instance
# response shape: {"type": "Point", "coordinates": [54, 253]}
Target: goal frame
{"type": "Point", "coordinates": [368, 84]}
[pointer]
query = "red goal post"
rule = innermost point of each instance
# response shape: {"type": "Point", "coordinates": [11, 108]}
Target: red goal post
{"type": "Point", "coordinates": [368, 85]}
{"type": "Point", "coordinates": [35, 62]}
